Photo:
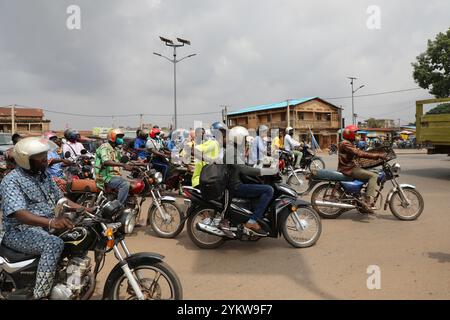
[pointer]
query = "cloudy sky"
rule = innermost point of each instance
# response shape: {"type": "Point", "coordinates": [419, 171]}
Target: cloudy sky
{"type": "Point", "coordinates": [249, 52]}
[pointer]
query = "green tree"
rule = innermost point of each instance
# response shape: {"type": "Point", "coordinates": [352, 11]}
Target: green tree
{"type": "Point", "coordinates": [440, 109]}
{"type": "Point", "coordinates": [432, 69]}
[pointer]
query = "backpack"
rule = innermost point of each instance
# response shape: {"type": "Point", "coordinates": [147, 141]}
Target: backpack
{"type": "Point", "coordinates": [213, 181]}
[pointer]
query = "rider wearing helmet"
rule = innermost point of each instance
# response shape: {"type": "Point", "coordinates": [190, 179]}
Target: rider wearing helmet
{"type": "Point", "coordinates": [258, 148]}
{"type": "Point", "coordinates": [108, 168]}
{"type": "Point", "coordinates": [347, 154]}
{"type": "Point", "coordinates": [29, 196]}
{"type": "Point", "coordinates": [235, 159]}
{"type": "Point", "coordinates": [156, 147]}
{"type": "Point", "coordinates": [55, 161]}
{"type": "Point", "coordinates": [140, 144]}
{"type": "Point", "coordinates": [72, 145]}
{"type": "Point", "coordinates": [290, 144]}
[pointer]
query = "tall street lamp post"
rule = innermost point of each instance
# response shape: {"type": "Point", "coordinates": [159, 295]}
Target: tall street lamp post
{"type": "Point", "coordinates": [170, 43]}
{"type": "Point", "coordinates": [353, 99]}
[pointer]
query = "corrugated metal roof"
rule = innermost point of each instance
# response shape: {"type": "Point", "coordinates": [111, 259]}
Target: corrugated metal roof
{"type": "Point", "coordinates": [272, 106]}
{"type": "Point", "coordinates": [22, 112]}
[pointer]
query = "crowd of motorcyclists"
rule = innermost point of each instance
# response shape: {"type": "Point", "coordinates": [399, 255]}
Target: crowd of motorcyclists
{"type": "Point", "coordinates": [37, 178]}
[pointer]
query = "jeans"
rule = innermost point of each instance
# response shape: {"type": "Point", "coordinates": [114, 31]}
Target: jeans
{"type": "Point", "coordinates": [365, 175]}
{"type": "Point", "coordinates": [261, 191]}
{"type": "Point", "coordinates": [161, 167]}
{"type": "Point", "coordinates": [122, 186]}
{"type": "Point", "coordinates": [37, 241]}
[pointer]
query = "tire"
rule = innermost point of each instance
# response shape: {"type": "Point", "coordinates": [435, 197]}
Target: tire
{"type": "Point", "coordinates": [419, 200]}
{"type": "Point", "coordinates": [318, 161]}
{"type": "Point", "coordinates": [162, 267]}
{"type": "Point", "coordinates": [313, 216]}
{"type": "Point", "coordinates": [194, 233]}
{"type": "Point", "coordinates": [152, 220]}
{"type": "Point", "coordinates": [324, 212]}
{"type": "Point", "coordinates": [301, 185]}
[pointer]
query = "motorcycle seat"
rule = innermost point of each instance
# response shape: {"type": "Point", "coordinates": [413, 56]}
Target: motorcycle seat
{"type": "Point", "coordinates": [13, 256]}
{"type": "Point", "coordinates": [329, 175]}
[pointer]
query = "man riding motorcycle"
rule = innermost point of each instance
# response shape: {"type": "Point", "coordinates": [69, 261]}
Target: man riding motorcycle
{"type": "Point", "coordinates": [108, 168]}
{"type": "Point", "coordinates": [290, 145]}
{"type": "Point", "coordinates": [55, 162]}
{"type": "Point", "coordinates": [156, 147]}
{"type": "Point", "coordinates": [258, 149]}
{"type": "Point", "coordinates": [347, 154]}
{"type": "Point", "coordinates": [140, 144]}
{"type": "Point", "coordinates": [72, 145]}
{"type": "Point", "coordinates": [235, 159]}
{"type": "Point", "coordinates": [29, 196]}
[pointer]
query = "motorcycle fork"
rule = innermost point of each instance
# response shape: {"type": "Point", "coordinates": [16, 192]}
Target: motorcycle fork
{"type": "Point", "coordinates": [405, 201]}
{"type": "Point", "coordinates": [157, 202]}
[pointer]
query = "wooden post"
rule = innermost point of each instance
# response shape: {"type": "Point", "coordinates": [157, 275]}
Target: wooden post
{"type": "Point", "coordinates": [13, 119]}
{"type": "Point", "coordinates": [419, 114]}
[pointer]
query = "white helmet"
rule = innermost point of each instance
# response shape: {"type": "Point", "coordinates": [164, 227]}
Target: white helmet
{"type": "Point", "coordinates": [289, 129]}
{"type": "Point", "coordinates": [238, 135]}
{"type": "Point", "coordinates": [29, 147]}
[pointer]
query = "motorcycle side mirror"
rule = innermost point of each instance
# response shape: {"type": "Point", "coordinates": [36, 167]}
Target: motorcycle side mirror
{"type": "Point", "coordinates": [124, 159]}
{"type": "Point", "coordinates": [67, 155]}
{"type": "Point", "coordinates": [61, 207]}
{"type": "Point", "coordinates": [83, 152]}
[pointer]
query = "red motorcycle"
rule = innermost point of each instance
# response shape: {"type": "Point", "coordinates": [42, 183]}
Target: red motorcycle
{"type": "Point", "coordinates": [164, 215]}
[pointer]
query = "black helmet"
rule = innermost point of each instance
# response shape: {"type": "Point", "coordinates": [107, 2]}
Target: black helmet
{"type": "Point", "coordinates": [70, 134]}
{"type": "Point", "coordinates": [218, 126]}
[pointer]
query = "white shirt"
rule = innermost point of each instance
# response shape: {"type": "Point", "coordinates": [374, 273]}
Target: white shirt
{"type": "Point", "coordinates": [73, 148]}
{"type": "Point", "coordinates": [290, 143]}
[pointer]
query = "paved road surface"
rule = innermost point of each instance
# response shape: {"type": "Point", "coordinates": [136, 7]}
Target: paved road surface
{"type": "Point", "coordinates": [414, 257]}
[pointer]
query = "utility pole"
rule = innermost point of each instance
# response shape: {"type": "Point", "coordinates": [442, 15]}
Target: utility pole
{"type": "Point", "coordinates": [353, 99]}
{"type": "Point", "coordinates": [13, 119]}
{"type": "Point", "coordinates": [288, 115]}
{"type": "Point", "coordinates": [140, 121]}
{"type": "Point", "coordinates": [225, 115]}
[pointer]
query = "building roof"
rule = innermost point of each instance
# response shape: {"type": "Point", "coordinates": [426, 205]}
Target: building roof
{"type": "Point", "coordinates": [277, 105]}
{"type": "Point", "coordinates": [22, 112]}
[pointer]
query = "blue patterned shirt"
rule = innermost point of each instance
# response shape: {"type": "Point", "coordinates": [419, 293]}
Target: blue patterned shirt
{"type": "Point", "coordinates": [22, 191]}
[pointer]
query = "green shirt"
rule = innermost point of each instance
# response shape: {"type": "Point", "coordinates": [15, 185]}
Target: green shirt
{"type": "Point", "coordinates": [104, 174]}
{"type": "Point", "coordinates": [210, 149]}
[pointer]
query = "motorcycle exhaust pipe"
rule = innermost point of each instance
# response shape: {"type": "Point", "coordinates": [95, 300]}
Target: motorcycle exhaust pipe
{"type": "Point", "coordinates": [209, 229]}
{"type": "Point", "coordinates": [334, 205]}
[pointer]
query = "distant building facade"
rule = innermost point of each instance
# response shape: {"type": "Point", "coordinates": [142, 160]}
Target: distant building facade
{"type": "Point", "coordinates": [315, 114]}
{"type": "Point", "coordinates": [27, 120]}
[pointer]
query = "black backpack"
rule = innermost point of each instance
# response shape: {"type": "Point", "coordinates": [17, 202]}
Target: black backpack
{"type": "Point", "coordinates": [213, 181]}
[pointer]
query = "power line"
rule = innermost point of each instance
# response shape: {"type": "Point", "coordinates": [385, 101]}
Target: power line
{"type": "Point", "coordinates": [374, 94]}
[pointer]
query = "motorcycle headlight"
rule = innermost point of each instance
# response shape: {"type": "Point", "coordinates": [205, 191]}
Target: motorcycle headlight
{"type": "Point", "coordinates": [128, 221]}
{"type": "Point", "coordinates": [396, 168]}
{"type": "Point", "coordinates": [158, 177]}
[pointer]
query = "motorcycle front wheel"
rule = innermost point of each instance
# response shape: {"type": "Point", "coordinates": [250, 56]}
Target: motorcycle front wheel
{"type": "Point", "coordinates": [297, 181]}
{"type": "Point", "coordinates": [316, 164]}
{"type": "Point", "coordinates": [302, 228]}
{"type": "Point", "coordinates": [163, 228]}
{"type": "Point", "coordinates": [407, 212]}
{"type": "Point", "coordinates": [157, 281]}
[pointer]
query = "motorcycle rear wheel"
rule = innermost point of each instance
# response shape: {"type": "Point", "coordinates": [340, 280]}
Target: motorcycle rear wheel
{"type": "Point", "coordinates": [201, 239]}
{"type": "Point", "coordinates": [323, 192]}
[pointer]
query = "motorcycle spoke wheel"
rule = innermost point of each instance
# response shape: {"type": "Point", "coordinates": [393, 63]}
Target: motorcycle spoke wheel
{"type": "Point", "coordinates": [407, 212]}
{"type": "Point", "coordinates": [166, 228]}
{"type": "Point", "coordinates": [298, 182]}
{"type": "Point", "coordinates": [154, 283]}
{"type": "Point", "coordinates": [203, 239]}
{"type": "Point", "coordinates": [305, 235]}
{"type": "Point", "coordinates": [325, 193]}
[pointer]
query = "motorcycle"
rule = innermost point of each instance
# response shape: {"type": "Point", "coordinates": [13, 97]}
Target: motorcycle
{"type": "Point", "coordinates": [340, 193]}
{"type": "Point", "coordinates": [141, 276]}
{"type": "Point", "coordinates": [287, 215]}
{"type": "Point", "coordinates": [82, 168]}
{"type": "Point", "coordinates": [179, 175]}
{"type": "Point", "coordinates": [164, 214]}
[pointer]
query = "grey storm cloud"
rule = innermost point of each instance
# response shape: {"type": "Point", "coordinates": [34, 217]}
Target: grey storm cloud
{"type": "Point", "coordinates": [248, 53]}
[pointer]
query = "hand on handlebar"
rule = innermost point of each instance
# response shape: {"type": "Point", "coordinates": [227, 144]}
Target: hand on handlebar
{"type": "Point", "coordinates": [61, 223]}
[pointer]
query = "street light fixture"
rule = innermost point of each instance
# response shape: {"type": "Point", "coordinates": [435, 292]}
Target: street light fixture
{"type": "Point", "coordinates": [170, 43]}
{"type": "Point", "coordinates": [353, 100]}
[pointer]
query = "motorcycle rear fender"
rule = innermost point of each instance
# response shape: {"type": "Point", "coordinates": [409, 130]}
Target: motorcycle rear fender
{"type": "Point", "coordinates": [133, 261]}
{"type": "Point", "coordinates": [394, 190]}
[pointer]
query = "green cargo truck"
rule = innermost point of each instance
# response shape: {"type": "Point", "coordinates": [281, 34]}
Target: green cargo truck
{"type": "Point", "coordinates": [433, 130]}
